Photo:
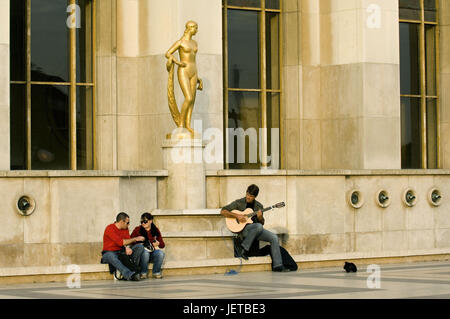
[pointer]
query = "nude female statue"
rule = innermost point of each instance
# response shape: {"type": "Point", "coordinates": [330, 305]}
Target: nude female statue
{"type": "Point", "coordinates": [187, 76]}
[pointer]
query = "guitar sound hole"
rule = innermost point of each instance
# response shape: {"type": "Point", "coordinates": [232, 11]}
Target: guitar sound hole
{"type": "Point", "coordinates": [237, 221]}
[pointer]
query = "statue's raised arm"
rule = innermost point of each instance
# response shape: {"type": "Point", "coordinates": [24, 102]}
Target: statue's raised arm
{"type": "Point", "coordinates": [187, 76]}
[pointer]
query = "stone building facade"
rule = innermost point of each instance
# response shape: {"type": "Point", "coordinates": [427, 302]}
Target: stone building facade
{"type": "Point", "coordinates": [356, 90]}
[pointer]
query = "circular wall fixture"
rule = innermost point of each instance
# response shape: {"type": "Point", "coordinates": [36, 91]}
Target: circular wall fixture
{"type": "Point", "coordinates": [25, 205]}
{"type": "Point", "coordinates": [409, 197]}
{"type": "Point", "coordinates": [435, 197]}
{"type": "Point", "coordinates": [355, 198]}
{"type": "Point", "coordinates": [382, 198]}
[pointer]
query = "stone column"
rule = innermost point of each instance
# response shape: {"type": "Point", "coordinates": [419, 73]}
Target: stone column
{"type": "Point", "coordinates": [186, 183]}
{"type": "Point", "coordinates": [4, 86]}
{"type": "Point", "coordinates": [342, 85]}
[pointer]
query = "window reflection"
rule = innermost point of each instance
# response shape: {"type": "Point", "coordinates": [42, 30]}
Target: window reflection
{"type": "Point", "coordinates": [430, 10]}
{"type": "Point", "coordinates": [50, 142]}
{"type": "Point", "coordinates": [243, 49]}
{"type": "Point", "coordinates": [273, 133]}
{"type": "Point", "coordinates": [84, 127]}
{"type": "Point", "coordinates": [49, 41]}
{"type": "Point", "coordinates": [18, 126]}
{"type": "Point", "coordinates": [410, 122]}
{"type": "Point", "coordinates": [430, 58]}
{"type": "Point", "coordinates": [245, 3]}
{"type": "Point", "coordinates": [410, 9]}
{"type": "Point", "coordinates": [244, 113]}
{"type": "Point", "coordinates": [272, 50]}
{"type": "Point", "coordinates": [409, 59]}
{"type": "Point", "coordinates": [431, 133]}
{"type": "Point", "coordinates": [50, 127]}
{"type": "Point", "coordinates": [84, 42]}
{"type": "Point", "coordinates": [272, 4]}
{"type": "Point", "coordinates": [18, 41]}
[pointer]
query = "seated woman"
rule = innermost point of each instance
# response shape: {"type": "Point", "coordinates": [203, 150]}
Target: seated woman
{"type": "Point", "coordinates": [153, 243]}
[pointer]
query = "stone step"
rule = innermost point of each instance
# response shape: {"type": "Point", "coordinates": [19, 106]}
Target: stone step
{"type": "Point", "coordinates": [169, 224]}
{"type": "Point", "coordinates": [185, 212]}
{"type": "Point", "coordinates": [203, 266]}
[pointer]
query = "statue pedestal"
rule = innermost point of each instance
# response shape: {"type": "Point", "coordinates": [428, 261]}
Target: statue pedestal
{"type": "Point", "coordinates": [186, 184]}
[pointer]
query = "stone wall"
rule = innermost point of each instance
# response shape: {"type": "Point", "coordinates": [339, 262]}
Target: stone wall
{"type": "Point", "coordinates": [341, 107]}
{"type": "Point", "coordinates": [318, 218]}
{"type": "Point", "coordinates": [318, 223]}
{"type": "Point", "coordinates": [71, 214]}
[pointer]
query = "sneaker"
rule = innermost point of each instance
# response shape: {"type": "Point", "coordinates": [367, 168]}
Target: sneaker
{"type": "Point", "coordinates": [118, 275]}
{"type": "Point", "coordinates": [243, 253]}
{"type": "Point", "coordinates": [281, 269]}
{"type": "Point", "coordinates": [157, 275]}
{"type": "Point", "coordinates": [135, 277]}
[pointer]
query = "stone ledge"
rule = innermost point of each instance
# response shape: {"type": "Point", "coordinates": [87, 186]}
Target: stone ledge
{"type": "Point", "coordinates": [199, 234]}
{"type": "Point", "coordinates": [209, 233]}
{"type": "Point", "coordinates": [326, 172]}
{"type": "Point", "coordinates": [84, 173]}
{"type": "Point", "coordinates": [52, 270]}
{"type": "Point", "coordinates": [185, 212]}
{"type": "Point", "coordinates": [265, 260]}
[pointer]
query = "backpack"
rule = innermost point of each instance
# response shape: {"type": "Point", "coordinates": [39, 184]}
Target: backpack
{"type": "Point", "coordinates": [127, 261]}
{"type": "Point", "coordinates": [288, 261]}
{"type": "Point", "coordinates": [350, 267]}
{"type": "Point", "coordinates": [254, 248]}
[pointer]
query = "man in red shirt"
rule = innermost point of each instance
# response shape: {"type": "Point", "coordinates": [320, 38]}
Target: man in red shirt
{"type": "Point", "coordinates": [117, 236]}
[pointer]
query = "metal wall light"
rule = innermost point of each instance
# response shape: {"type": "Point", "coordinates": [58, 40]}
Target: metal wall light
{"type": "Point", "coordinates": [382, 198]}
{"type": "Point", "coordinates": [25, 205]}
{"type": "Point", "coordinates": [434, 197]}
{"type": "Point", "coordinates": [409, 197]}
{"type": "Point", "coordinates": [355, 198]}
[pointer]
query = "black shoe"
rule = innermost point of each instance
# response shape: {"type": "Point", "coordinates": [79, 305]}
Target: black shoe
{"type": "Point", "coordinates": [281, 269]}
{"type": "Point", "coordinates": [243, 253]}
{"type": "Point", "coordinates": [135, 277]}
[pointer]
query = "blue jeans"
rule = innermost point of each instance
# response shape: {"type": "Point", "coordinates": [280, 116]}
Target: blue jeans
{"type": "Point", "coordinates": [257, 231]}
{"type": "Point", "coordinates": [112, 257]}
{"type": "Point", "coordinates": [156, 257]}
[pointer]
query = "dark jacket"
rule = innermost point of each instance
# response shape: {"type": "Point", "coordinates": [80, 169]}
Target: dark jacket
{"type": "Point", "coordinates": [241, 205]}
{"type": "Point", "coordinates": [153, 234]}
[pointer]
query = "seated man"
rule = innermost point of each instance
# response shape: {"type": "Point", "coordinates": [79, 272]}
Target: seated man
{"type": "Point", "coordinates": [256, 230]}
{"type": "Point", "coordinates": [116, 237]}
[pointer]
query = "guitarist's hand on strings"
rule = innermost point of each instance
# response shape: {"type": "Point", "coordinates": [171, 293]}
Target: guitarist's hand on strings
{"type": "Point", "coordinates": [241, 218]}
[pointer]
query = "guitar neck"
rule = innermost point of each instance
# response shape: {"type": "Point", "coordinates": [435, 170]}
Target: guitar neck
{"type": "Point", "coordinates": [262, 210]}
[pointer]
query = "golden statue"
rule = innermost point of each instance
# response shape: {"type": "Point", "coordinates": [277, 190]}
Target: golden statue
{"type": "Point", "coordinates": [187, 77]}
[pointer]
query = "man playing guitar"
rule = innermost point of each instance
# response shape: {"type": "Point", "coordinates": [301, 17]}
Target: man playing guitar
{"type": "Point", "coordinates": [253, 230]}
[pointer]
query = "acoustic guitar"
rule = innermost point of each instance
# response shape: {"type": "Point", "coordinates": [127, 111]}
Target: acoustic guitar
{"type": "Point", "coordinates": [235, 226]}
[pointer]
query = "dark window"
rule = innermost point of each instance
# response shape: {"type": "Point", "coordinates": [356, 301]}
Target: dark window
{"type": "Point", "coordinates": [252, 82]}
{"type": "Point", "coordinates": [42, 82]}
{"type": "Point", "coordinates": [418, 83]}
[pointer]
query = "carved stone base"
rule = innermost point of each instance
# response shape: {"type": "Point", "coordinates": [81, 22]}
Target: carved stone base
{"type": "Point", "coordinates": [186, 183]}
